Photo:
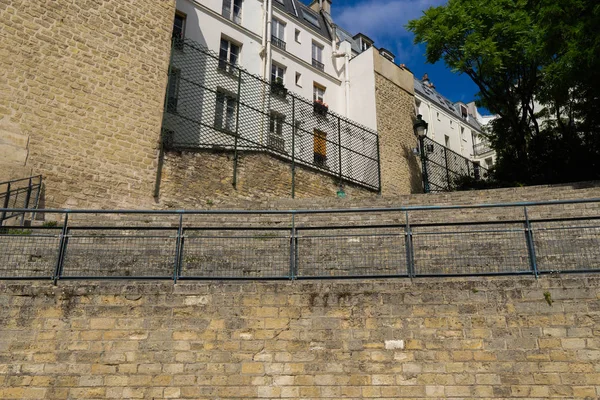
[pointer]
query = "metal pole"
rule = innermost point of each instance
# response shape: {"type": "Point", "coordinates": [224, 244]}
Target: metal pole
{"type": "Point", "coordinates": [27, 198]}
{"type": "Point", "coordinates": [293, 147]}
{"type": "Point", "coordinates": [378, 164]}
{"type": "Point", "coordinates": [447, 169]}
{"type": "Point", "coordinates": [37, 199]}
{"type": "Point", "coordinates": [62, 248]}
{"type": "Point", "coordinates": [293, 248]}
{"type": "Point", "coordinates": [237, 126]}
{"type": "Point", "coordinates": [178, 250]}
{"type": "Point", "coordinates": [340, 149]}
{"type": "Point", "coordinates": [410, 262]}
{"type": "Point", "coordinates": [530, 244]}
{"type": "Point", "coordinates": [424, 164]}
{"type": "Point", "coordinates": [6, 200]}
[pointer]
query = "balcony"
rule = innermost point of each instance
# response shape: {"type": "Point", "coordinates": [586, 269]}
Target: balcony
{"type": "Point", "coordinates": [482, 148]}
{"type": "Point", "coordinates": [318, 65]}
{"type": "Point", "coordinates": [278, 42]}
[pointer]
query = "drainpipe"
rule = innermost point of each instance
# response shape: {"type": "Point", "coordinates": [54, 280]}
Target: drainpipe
{"type": "Point", "coordinates": [263, 48]}
{"type": "Point", "coordinates": [346, 55]}
{"type": "Point", "coordinates": [268, 39]}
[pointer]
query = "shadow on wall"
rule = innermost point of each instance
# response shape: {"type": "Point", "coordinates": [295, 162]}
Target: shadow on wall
{"type": "Point", "coordinates": [414, 170]}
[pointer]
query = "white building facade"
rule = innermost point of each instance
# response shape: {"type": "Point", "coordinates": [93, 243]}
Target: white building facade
{"type": "Point", "coordinates": [455, 125]}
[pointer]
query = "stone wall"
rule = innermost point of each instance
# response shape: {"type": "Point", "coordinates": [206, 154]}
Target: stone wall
{"type": "Point", "coordinates": [83, 87]}
{"type": "Point", "coordinates": [513, 337]}
{"type": "Point", "coordinates": [200, 179]}
{"type": "Point", "coordinates": [400, 168]}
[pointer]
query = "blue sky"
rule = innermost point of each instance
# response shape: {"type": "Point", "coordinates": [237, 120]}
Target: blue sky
{"type": "Point", "coordinates": [384, 21]}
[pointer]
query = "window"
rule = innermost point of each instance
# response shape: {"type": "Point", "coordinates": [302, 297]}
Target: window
{"type": "Point", "coordinates": [276, 72]}
{"type": "Point", "coordinates": [364, 45]}
{"type": "Point", "coordinates": [225, 111]}
{"type": "Point", "coordinates": [298, 79]}
{"type": "Point", "coordinates": [312, 18]}
{"type": "Point", "coordinates": [462, 133]}
{"type": "Point", "coordinates": [489, 162]}
{"type": "Point", "coordinates": [278, 34]}
{"type": "Point", "coordinates": [276, 123]}
{"type": "Point", "coordinates": [318, 92]}
{"type": "Point", "coordinates": [320, 148]}
{"type": "Point", "coordinates": [451, 124]}
{"type": "Point", "coordinates": [179, 25]}
{"type": "Point", "coordinates": [447, 141]}
{"type": "Point", "coordinates": [232, 10]}
{"type": "Point", "coordinates": [317, 56]}
{"type": "Point", "coordinates": [463, 111]}
{"type": "Point", "coordinates": [228, 55]}
{"type": "Point", "coordinates": [297, 36]}
{"type": "Point", "coordinates": [173, 90]}
{"type": "Point", "coordinates": [438, 116]}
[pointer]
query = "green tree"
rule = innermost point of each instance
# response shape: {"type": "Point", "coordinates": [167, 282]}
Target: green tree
{"type": "Point", "coordinates": [518, 52]}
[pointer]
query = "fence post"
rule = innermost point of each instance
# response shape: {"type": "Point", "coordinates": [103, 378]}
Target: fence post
{"type": "Point", "coordinates": [62, 249]}
{"type": "Point", "coordinates": [6, 200]}
{"type": "Point", "coordinates": [340, 148]}
{"type": "Point", "coordinates": [37, 198]}
{"type": "Point", "coordinates": [424, 164]}
{"type": "Point", "coordinates": [293, 147]}
{"type": "Point", "coordinates": [530, 244]}
{"type": "Point", "coordinates": [178, 250]}
{"type": "Point", "coordinates": [378, 164]}
{"type": "Point", "coordinates": [27, 198]}
{"type": "Point", "coordinates": [237, 126]}
{"type": "Point", "coordinates": [447, 168]}
{"type": "Point", "coordinates": [410, 262]}
{"type": "Point", "coordinates": [292, 274]}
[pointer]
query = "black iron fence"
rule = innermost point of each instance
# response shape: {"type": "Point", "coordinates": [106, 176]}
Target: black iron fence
{"type": "Point", "coordinates": [444, 170]}
{"type": "Point", "coordinates": [21, 194]}
{"type": "Point", "coordinates": [521, 238]}
{"type": "Point", "coordinates": [212, 104]}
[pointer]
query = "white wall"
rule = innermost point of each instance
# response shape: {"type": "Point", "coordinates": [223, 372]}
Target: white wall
{"type": "Point", "coordinates": [362, 89]}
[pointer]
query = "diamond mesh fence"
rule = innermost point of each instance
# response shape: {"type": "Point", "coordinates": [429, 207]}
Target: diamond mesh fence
{"type": "Point", "coordinates": [214, 105]}
{"type": "Point", "coordinates": [444, 167]}
{"type": "Point", "coordinates": [219, 244]}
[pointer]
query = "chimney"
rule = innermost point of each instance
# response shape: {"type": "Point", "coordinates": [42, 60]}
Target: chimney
{"type": "Point", "coordinates": [321, 5]}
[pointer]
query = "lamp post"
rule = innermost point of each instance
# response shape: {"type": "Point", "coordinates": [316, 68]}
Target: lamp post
{"type": "Point", "coordinates": [420, 128]}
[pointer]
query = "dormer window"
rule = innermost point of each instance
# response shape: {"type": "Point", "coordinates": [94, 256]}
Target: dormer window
{"type": "Point", "coordinates": [387, 54]}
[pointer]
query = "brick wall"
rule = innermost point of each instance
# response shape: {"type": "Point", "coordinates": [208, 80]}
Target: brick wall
{"type": "Point", "coordinates": [83, 87]}
{"type": "Point", "coordinates": [513, 337]}
{"type": "Point", "coordinates": [197, 180]}
{"type": "Point", "coordinates": [400, 168]}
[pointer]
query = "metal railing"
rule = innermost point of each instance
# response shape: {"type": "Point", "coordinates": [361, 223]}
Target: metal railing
{"type": "Point", "coordinates": [213, 105]}
{"type": "Point", "coordinates": [482, 148]}
{"type": "Point", "coordinates": [318, 65]}
{"type": "Point", "coordinates": [493, 239]}
{"type": "Point", "coordinates": [19, 193]}
{"type": "Point", "coordinates": [278, 42]}
{"type": "Point", "coordinates": [443, 168]}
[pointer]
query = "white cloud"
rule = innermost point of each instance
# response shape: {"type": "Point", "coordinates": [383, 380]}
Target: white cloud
{"type": "Point", "coordinates": [381, 19]}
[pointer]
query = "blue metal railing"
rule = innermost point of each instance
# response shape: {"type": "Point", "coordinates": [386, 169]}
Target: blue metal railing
{"type": "Point", "coordinates": [523, 238]}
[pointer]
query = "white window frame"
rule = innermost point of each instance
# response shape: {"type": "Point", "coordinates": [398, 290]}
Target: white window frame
{"type": "Point", "coordinates": [319, 92]}
{"type": "Point", "coordinates": [228, 58]}
{"type": "Point", "coordinates": [317, 52]}
{"type": "Point", "coordinates": [232, 10]}
{"type": "Point", "coordinates": [278, 29]}
{"type": "Point", "coordinates": [225, 111]}
{"type": "Point", "coordinates": [277, 71]}
{"type": "Point", "coordinates": [298, 36]}
{"type": "Point", "coordinates": [298, 79]}
{"type": "Point", "coordinates": [276, 122]}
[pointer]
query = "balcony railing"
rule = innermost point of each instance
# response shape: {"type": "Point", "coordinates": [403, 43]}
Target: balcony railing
{"type": "Point", "coordinates": [318, 65]}
{"type": "Point", "coordinates": [482, 148]}
{"type": "Point", "coordinates": [278, 42]}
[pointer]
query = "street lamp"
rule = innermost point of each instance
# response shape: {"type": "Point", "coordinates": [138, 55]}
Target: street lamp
{"type": "Point", "coordinates": [420, 128]}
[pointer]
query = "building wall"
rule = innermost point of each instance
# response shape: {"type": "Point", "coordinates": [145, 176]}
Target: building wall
{"type": "Point", "coordinates": [83, 87]}
{"type": "Point", "coordinates": [513, 337]}
{"type": "Point", "coordinates": [400, 168]}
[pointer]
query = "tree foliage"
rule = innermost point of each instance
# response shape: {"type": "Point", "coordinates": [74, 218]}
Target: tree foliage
{"type": "Point", "coordinates": [536, 64]}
